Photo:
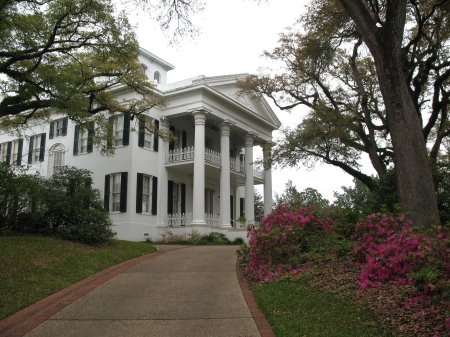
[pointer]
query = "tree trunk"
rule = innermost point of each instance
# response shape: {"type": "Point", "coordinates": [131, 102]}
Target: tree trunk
{"type": "Point", "coordinates": [414, 178]}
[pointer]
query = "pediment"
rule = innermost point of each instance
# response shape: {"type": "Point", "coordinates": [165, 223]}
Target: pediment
{"type": "Point", "coordinates": [258, 105]}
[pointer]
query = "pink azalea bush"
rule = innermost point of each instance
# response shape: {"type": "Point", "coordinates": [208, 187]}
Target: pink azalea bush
{"type": "Point", "coordinates": [276, 246]}
{"type": "Point", "coordinates": [388, 250]}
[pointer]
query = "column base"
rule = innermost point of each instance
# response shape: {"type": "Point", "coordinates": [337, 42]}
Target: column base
{"type": "Point", "coordinates": [226, 226]}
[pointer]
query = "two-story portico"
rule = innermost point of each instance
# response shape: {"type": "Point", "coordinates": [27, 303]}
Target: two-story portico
{"type": "Point", "coordinates": [215, 132]}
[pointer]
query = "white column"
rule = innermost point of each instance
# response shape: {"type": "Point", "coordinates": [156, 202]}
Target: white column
{"type": "Point", "coordinates": [225, 174]}
{"type": "Point", "coordinates": [162, 172]}
{"type": "Point", "coordinates": [198, 212]}
{"type": "Point", "coordinates": [267, 153]}
{"type": "Point", "coordinates": [249, 192]}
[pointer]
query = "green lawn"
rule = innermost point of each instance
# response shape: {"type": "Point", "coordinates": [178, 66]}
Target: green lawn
{"type": "Point", "coordinates": [294, 310]}
{"type": "Point", "coordinates": [33, 267]}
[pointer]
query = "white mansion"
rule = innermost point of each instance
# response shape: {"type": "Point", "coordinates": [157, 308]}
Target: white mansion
{"type": "Point", "coordinates": [202, 181]}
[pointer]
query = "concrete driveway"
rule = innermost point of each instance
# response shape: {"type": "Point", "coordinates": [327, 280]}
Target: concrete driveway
{"type": "Point", "coordinates": [192, 291]}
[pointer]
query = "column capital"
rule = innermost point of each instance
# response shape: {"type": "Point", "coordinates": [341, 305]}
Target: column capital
{"type": "Point", "coordinates": [249, 139]}
{"type": "Point", "coordinates": [199, 117]}
{"type": "Point", "coordinates": [225, 127]}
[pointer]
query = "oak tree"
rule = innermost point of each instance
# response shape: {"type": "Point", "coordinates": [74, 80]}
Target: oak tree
{"type": "Point", "coordinates": [67, 56]}
{"type": "Point", "coordinates": [381, 89]}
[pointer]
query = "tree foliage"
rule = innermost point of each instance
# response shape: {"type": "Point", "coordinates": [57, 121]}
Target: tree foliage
{"type": "Point", "coordinates": [70, 56]}
{"type": "Point", "coordinates": [329, 68]}
{"type": "Point", "coordinates": [308, 197]}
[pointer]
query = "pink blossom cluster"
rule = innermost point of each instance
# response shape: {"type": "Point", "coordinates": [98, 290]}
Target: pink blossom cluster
{"type": "Point", "coordinates": [274, 247]}
{"type": "Point", "coordinates": [389, 251]}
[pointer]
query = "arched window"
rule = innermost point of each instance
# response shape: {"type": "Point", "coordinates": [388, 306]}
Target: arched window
{"type": "Point", "coordinates": [156, 76]}
{"type": "Point", "coordinates": [56, 158]}
{"type": "Point", "coordinates": [142, 68]}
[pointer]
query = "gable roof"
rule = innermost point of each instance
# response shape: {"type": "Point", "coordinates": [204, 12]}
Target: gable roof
{"type": "Point", "coordinates": [225, 88]}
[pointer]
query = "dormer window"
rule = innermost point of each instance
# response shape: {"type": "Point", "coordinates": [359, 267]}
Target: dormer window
{"type": "Point", "coordinates": [156, 76]}
{"type": "Point", "coordinates": [142, 68]}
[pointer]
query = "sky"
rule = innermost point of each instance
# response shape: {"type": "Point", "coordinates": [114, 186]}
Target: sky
{"type": "Point", "coordinates": [233, 36]}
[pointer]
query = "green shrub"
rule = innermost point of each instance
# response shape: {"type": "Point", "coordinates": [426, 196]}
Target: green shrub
{"type": "Point", "coordinates": [65, 205]}
{"type": "Point", "coordinates": [238, 241]}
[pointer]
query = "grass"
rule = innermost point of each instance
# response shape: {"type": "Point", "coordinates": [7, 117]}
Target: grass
{"type": "Point", "coordinates": [294, 309]}
{"type": "Point", "coordinates": [34, 267]}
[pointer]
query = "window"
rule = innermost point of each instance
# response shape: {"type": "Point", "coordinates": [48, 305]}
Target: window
{"type": "Point", "coordinates": [58, 128]}
{"type": "Point", "coordinates": [36, 148]}
{"type": "Point", "coordinates": [176, 198]}
{"type": "Point", "coordinates": [83, 139]}
{"type": "Point", "coordinates": [146, 137]}
{"type": "Point", "coordinates": [146, 194]}
{"type": "Point", "coordinates": [156, 77]}
{"type": "Point", "coordinates": [115, 191]}
{"type": "Point", "coordinates": [17, 147]}
{"type": "Point", "coordinates": [242, 207]}
{"type": "Point", "coordinates": [83, 144]}
{"type": "Point", "coordinates": [4, 152]}
{"type": "Point", "coordinates": [120, 128]}
{"type": "Point", "coordinates": [142, 68]}
{"type": "Point", "coordinates": [146, 183]}
{"type": "Point", "coordinates": [56, 158]}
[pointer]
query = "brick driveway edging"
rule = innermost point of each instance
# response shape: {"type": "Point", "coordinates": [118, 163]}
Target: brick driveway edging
{"type": "Point", "coordinates": [261, 322]}
{"type": "Point", "coordinates": [25, 320]}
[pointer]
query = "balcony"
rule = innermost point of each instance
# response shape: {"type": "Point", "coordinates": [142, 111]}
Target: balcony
{"type": "Point", "coordinates": [185, 155]}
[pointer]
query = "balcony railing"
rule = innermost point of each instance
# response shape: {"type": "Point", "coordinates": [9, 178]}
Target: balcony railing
{"type": "Point", "coordinates": [180, 155]}
{"type": "Point", "coordinates": [212, 220]}
{"type": "Point", "coordinates": [212, 157]}
{"type": "Point", "coordinates": [179, 219]}
{"type": "Point", "coordinates": [237, 166]}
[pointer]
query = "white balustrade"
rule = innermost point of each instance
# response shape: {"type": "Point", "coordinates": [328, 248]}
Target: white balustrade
{"type": "Point", "coordinates": [212, 220]}
{"type": "Point", "coordinates": [237, 166]}
{"type": "Point", "coordinates": [179, 219]}
{"type": "Point", "coordinates": [180, 155]}
{"type": "Point", "coordinates": [212, 157]}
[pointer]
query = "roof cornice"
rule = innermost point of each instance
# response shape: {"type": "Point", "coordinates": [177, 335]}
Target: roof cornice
{"type": "Point", "coordinates": [166, 65]}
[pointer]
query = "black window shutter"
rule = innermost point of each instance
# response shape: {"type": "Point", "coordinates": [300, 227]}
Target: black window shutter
{"type": "Point", "coordinates": [139, 186]}
{"type": "Point", "coordinates": [154, 195]}
{"type": "Point", "coordinates": [90, 141]}
{"type": "Point", "coordinates": [8, 153]}
{"type": "Point", "coordinates": [126, 129]}
{"type": "Point", "coordinates": [19, 153]}
{"type": "Point", "coordinates": [156, 138]}
{"type": "Point", "coordinates": [170, 197]}
{"type": "Point", "coordinates": [123, 191]}
{"type": "Point", "coordinates": [172, 134]}
{"type": "Point", "coordinates": [183, 139]}
{"type": "Point", "coordinates": [76, 138]}
{"type": "Point", "coordinates": [107, 192]}
{"type": "Point", "coordinates": [51, 130]}
{"type": "Point", "coordinates": [30, 150]}
{"type": "Point", "coordinates": [42, 147]}
{"type": "Point", "coordinates": [141, 133]}
{"type": "Point", "coordinates": [64, 126]}
{"type": "Point", "coordinates": [183, 198]}
{"type": "Point", "coordinates": [110, 137]}
{"type": "Point", "coordinates": [241, 206]}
